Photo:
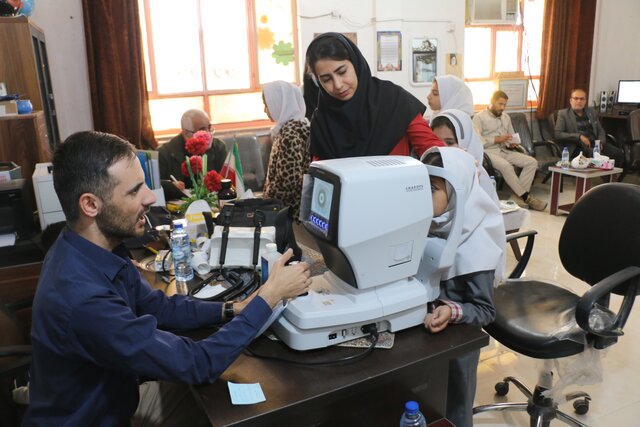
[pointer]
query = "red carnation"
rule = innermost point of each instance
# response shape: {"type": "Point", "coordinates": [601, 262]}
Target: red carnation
{"type": "Point", "coordinates": [196, 166]}
{"type": "Point", "coordinates": [212, 181]}
{"type": "Point", "coordinates": [199, 143]}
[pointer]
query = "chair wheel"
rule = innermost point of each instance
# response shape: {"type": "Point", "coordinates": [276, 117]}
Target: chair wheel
{"type": "Point", "coordinates": [581, 406]}
{"type": "Point", "coordinates": [502, 388]}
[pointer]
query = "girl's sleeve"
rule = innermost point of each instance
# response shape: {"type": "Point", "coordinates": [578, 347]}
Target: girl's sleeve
{"type": "Point", "coordinates": [472, 296]}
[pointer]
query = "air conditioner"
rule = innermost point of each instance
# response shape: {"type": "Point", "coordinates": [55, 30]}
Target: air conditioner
{"type": "Point", "coordinates": [492, 12]}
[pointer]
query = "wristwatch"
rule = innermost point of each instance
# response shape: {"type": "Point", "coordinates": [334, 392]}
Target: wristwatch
{"type": "Point", "coordinates": [227, 311]}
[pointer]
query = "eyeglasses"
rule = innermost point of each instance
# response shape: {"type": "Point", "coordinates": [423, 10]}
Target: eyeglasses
{"type": "Point", "coordinates": [209, 128]}
{"type": "Point", "coordinates": [575, 98]}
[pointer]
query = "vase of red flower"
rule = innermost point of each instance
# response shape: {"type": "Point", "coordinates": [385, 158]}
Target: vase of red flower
{"type": "Point", "coordinates": [205, 184]}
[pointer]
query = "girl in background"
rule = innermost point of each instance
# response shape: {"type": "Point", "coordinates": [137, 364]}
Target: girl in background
{"type": "Point", "coordinates": [449, 92]}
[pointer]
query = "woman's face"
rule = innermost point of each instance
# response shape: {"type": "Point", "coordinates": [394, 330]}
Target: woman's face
{"type": "Point", "coordinates": [446, 135]}
{"type": "Point", "coordinates": [434, 97]}
{"type": "Point", "coordinates": [266, 109]}
{"type": "Point", "coordinates": [439, 197]}
{"type": "Point", "coordinates": [338, 78]}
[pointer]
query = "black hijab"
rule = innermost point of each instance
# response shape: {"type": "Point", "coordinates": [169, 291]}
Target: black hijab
{"type": "Point", "coordinates": [371, 123]}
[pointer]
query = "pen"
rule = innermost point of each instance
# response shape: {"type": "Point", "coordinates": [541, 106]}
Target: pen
{"type": "Point", "coordinates": [173, 178]}
{"type": "Point", "coordinates": [152, 250]}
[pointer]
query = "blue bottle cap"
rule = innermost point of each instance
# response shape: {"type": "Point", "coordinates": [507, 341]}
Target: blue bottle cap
{"type": "Point", "coordinates": [412, 406]}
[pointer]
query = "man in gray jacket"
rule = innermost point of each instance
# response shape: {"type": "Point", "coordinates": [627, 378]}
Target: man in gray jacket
{"type": "Point", "coordinates": [580, 124]}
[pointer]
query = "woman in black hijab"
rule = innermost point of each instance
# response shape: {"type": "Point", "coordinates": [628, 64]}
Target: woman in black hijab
{"type": "Point", "coordinates": [357, 114]}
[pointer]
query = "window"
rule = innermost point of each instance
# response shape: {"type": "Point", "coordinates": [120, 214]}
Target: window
{"type": "Point", "coordinates": [215, 55]}
{"type": "Point", "coordinates": [493, 49]}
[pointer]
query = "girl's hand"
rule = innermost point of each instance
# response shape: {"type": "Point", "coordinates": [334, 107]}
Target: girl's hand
{"type": "Point", "coordinates": [438, 320]}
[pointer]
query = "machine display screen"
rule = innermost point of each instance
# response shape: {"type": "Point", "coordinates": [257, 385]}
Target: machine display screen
{"type": "Point", "coordinates": [321, 205]}
{"type": "Point", "coordinates": [629, 92]}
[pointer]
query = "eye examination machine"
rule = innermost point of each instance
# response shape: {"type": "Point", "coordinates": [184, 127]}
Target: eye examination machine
{"type": "Point", "coordinates": [370, 217]}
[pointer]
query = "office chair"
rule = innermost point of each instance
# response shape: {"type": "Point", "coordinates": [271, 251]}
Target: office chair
{"type": "Point", "coordinates": [528, 311]}
{"type": "Point", "coordinates": [547, 153]}
{"type": "Point", "coordinates": [632, 147]}
{"type": "Point", "coordinates": [253, 172]}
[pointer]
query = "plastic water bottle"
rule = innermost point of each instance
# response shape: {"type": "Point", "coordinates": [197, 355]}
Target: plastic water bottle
{"type": "Point", "coordinates": [565, 158]}
{"type": "Point", "coordinates": [181, 252]}
{"type": "Point", "coordinates": [268, 258]}
{"type": "Point", "coordinates": [412, 416]}
{"type": "Point", "coordinates": [596, 147]}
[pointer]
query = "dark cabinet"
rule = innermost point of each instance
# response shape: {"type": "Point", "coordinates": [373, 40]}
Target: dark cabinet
{"type": "Point", "coordinates": [24, 67]}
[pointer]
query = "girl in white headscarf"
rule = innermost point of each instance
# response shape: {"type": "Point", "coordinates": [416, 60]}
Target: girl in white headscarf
{"type": "Point", "coordinates": [455, 128]}
{"type": "Point", "coordinates": [289, 159]}
{"type": "Point", "coordinates": [449, 92]}
{"type": "Point", "coordinates": [466, 289]}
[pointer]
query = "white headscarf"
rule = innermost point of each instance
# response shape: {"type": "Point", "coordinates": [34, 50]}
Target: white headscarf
{"type": "Point", "coordinates": [469, 140]}
{"type": "Point", "coordinates": [284, 101]}
{"type": "Point", "coordinates": [482, 240]}
{"type": "Point", "coordinates": [454, 93]}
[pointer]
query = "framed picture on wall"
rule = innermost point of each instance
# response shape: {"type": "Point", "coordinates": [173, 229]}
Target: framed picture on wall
{"type": "Point", "coordinates": [389, 51]}
{"type": "Point", "coordinates": [424, 60]}
{"type": "Point", "coordinates": [516, 90]}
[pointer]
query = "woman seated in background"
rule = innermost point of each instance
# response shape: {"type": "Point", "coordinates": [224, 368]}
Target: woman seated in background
{"type": "Point", "coordinates": [450, 92]}
{"type": "Point", "coordinates": [357, 114]}
{"type": "Point", "coordinates": [289, 157]}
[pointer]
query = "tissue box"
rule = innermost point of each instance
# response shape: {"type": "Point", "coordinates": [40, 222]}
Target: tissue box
{"type": "Point", "coordinates": [9, 171]}
{"type": "Point", "coordinates": [8, 107]}
{"type": "Point", "coordinates": [606, 164]}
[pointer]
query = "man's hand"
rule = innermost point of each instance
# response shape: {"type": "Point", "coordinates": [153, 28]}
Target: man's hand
{"type": "Point", "coordinates": [179, 184]}
{"type": "Point", "coordinates": [585, 140]}
{"type": "Point", "coordinates": [285, 281]}
{"type": "Point", "coordinates": [438, 320]}
{"type": "Point", "coordinates": [503, 139]}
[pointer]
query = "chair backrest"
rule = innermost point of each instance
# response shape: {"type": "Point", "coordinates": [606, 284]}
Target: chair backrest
{"type": "Point", "coordinates": [251, 159]}
{"type": "Point", "coordinates": [521, 126]}
{"type": "Point", "coordinates": [553, 117]}
{"type": "Point", "coordinates": [601, 235]}
{"type": "Point", "coordinates": [634, 125]}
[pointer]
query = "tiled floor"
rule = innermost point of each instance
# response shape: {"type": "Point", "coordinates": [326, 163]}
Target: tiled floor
{"type": "Point", "coordinates": [615, 400]}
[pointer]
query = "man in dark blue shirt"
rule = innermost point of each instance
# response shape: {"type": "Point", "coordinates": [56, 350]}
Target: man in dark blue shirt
{"type": "Point", "coordinates": [97, 325]}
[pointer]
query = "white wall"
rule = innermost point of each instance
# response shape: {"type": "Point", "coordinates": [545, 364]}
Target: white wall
{"type": "Point", "coordinates": [616, 45]}
{"type": "Point", "coordinates": [63, 27]}
{"type": "Point", "coordinates": [443, 20]}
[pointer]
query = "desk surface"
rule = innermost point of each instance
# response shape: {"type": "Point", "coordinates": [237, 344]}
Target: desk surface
{"type": "Point", "coordinates": [372, 390]}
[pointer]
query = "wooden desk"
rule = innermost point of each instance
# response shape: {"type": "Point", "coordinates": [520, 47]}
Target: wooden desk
{"type": "Point", "coordinates": [370, 392]}
{"type": "Point", "coordinates": [616, 125]}
{"type": "Point", "coordinates": [583, 184]}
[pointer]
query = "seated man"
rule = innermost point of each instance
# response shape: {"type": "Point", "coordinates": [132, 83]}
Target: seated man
{"type": "Point", "coordinates": [98, 326]}
{"type": "Point", "coordinates": [496, 130]}
{"type": "Point", "coordinates": [172, 154]}
{"type": "Point", "coordinates": [581, 124]}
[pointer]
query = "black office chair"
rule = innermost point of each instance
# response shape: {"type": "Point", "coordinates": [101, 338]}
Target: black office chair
{"type": "Point", "coordinates": [547, 153]}
{"type": "Point", "coordinates": [604, 254]}
{"type": "Point", "coordinates": [632, 147]}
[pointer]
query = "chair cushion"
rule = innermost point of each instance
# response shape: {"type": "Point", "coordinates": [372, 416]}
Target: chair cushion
{"type": "Point", "coordinates": [530, 318]}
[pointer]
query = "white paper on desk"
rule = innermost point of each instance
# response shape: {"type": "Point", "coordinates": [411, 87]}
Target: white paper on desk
{"type": "Point", "coordinates": [245, 394]}
{"type": "Point", "coordinates": [515, 138]}
{"type": "Point", "coordinates": [209, 291]}
{"type": "Point", "coordinates": [8, 239]}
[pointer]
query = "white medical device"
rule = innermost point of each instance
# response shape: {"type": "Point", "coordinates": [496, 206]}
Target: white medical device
{"type": "Point", "coordinates": [370, 217]}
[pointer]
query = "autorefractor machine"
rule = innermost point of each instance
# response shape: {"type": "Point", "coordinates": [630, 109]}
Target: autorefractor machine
{"type": "Point", "coordinates": [370, 217]}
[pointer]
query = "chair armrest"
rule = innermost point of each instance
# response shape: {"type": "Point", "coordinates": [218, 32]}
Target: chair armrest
{"type": "Point", "coordinates": [15, 350]}
{"type": "Point", "coordinates": [524, 260]}
{"type": "Point", "coordinates": [629, 277]}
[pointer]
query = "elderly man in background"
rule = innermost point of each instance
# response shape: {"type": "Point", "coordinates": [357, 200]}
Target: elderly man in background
{"type": "Point", "coordinates": [172, 154]}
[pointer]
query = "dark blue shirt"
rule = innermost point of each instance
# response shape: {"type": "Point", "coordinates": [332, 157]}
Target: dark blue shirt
{"type": "Point", "coordinates": [98, 326]}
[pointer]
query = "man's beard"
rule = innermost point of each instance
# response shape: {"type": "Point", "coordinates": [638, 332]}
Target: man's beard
{"type": "Point", "coordinates": [495, 113]}
{"type": "Point", "coordinates": [115, 226]}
